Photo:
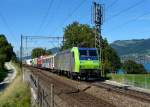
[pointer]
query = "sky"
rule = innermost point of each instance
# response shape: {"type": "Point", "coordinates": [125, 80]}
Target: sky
{"type": "Point", "coordinates": [123, 19]}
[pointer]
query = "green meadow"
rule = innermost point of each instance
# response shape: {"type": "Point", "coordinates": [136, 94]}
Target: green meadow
{"type": "Point", "coordinates": [139, 80]}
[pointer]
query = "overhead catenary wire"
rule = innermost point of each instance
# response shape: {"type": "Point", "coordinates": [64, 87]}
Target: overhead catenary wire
{"type": "Point", "coordinates": [29, 40]}
{"type": "Point", "coordinates": [126, 9]}
{"type": "Point", "coordinates": [112, 4]}
{"type": "Point", "coordinates": [58, 8]}
{"type": "Point", "coordinates": [12, 35]}
{"type": "Point", "coordinates": [45, 16]}
{"type": "Point", "coordinates": [7, 27]}
{"type": "Point", "coordinates": [43, 37]}
{"type": "Point", "coordinates": [72, 13]}
{"type": "Point", "coordinates": [130, 21]}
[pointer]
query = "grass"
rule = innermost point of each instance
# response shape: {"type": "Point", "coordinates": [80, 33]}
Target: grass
{"type": "Point", "coordinates": [140, 80]}
{"type": "Point", "coordinates": [17, 94]}
{"type": "Point", "coordinates": [17, 66]}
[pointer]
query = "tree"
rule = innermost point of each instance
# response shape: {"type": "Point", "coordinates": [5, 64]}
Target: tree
{"type": "Point", "coordinates": [36, 52]}
{"type": "Point", "coordinates": [6, 50]}
{"type": "Point", "coordinates": [6, 54]}
{"type": "Point", "coordinates": [14, 58]}
{"type": "Point", "coordinates": [131, 67]}
{"type": "Point", "coordinates": [79, 35]}
{"type": "Point", "coordinates": [111, 61]}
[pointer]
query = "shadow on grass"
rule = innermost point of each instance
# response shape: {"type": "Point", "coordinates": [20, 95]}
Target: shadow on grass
{"type": "Point", "coordinates": [3, 86]}
{"type": "Point", "coordinates": [9, 71]}
{"type": "Point", "coordinates": [4, 74]}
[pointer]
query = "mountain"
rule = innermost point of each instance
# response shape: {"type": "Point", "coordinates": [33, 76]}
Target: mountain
{"type": "Point", "coordinates": [134, 46]}
{"type": "Point", "coordinates": [53, 50]}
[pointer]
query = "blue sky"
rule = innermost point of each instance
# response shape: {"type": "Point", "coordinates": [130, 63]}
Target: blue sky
{"type": "Point", "coordinates": [124, 19]}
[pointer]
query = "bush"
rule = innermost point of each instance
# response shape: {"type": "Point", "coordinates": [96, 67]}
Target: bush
{"type": "Point", "coordinates": [3, 74]}
{"type": "Point", "coordinates": [131, 67]}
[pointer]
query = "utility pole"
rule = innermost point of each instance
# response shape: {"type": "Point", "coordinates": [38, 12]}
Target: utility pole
{"type": "Point", "coordinates": [21, 50]}
{"type": "Point", "coordinates": [26, 47]}
{"type": "Point", "coordinates": [98, 21]}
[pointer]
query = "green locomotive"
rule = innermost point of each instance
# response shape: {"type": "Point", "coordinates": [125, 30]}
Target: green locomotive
{"type": "Point", "coordinates": [78, 62]}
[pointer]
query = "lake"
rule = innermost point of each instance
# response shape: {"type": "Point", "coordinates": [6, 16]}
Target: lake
{"type": "Point", "coordinates": [147, 66]}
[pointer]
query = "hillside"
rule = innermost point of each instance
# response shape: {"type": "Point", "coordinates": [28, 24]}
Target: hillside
{"type": "Point", "coordinates": [135, 46]}
{"type": "Point", "coordinates": [53, 50]}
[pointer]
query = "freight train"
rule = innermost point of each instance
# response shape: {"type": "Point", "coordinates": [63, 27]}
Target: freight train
{"type": "Point", "coordinates": [74, 63]}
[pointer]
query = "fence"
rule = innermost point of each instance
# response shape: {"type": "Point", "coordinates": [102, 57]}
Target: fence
{"type": "Point", "coordinates": [44, 93]}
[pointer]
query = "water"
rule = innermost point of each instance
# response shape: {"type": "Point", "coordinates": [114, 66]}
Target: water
{"type": "Point", "coordinates": [147, 67]}
{"type": "Point", "coordinates": [120, 72]}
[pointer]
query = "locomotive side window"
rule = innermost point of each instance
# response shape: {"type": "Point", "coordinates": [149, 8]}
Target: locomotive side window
{"type": "Point", "coordinates": [73, 54]}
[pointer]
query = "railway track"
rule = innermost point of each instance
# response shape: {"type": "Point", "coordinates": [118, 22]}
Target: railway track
{"type": "Point", "coordinates": [71, 95]}
{"type": "Point", "coordinates": [123, 90]}
{"type": "Point", "coordinates": [80, 96]}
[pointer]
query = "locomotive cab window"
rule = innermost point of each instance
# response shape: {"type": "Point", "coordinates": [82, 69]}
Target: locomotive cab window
{"type": "Point", "coordinates": [88, 54]}
{"type": "Point", "coordinates": [92, 53]}
{"type": "Point", "coordinates": [83, 52]}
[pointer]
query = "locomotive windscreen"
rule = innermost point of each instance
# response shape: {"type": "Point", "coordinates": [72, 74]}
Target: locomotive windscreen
{"type": "Point", "coordinates": [92, 53]}
{"type": "Point", "coordinates": [83, 52]}
{"type": "Point", "coordinates": [88, 54]}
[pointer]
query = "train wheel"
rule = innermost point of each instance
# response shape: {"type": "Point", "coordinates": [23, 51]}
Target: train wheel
{"type": "Point", "coordinates": [68, 74]}
{"type": "Point", "coordinates": [59, 72]}
{"type": "Point", "coordinates": [71, 75]}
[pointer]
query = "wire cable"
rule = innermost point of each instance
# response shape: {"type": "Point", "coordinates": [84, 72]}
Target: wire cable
{"type": "Point", "coordinates": [7, 27]}
{"type": "Point", "coordinates": [125, 10]}
{"type": "Point", "coordinates": [56, 11]}
{"type": "Point", "coordinates": [45, 16]}
{"type": "Point", "coordinates": [112, 4]}
{"type": "Point", "coordinates": [132, 20]}
{"type": "Point", "coordinates": [72, 13]}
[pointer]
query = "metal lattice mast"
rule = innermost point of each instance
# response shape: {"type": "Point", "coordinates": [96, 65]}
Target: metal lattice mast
{"type": "Point", "coordinates": [98, 21]}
